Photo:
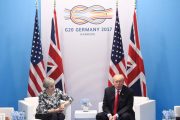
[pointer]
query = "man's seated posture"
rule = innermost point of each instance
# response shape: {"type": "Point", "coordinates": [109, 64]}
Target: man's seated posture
{"type": "Point", "coordinates": [118, 101]}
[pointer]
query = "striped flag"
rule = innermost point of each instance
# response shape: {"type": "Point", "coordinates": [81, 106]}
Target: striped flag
{"type": "Point", "coordinates": [135, 65]}
{"type": "Point", "coordinates": [55, 63]}
{"type": "Point", "coordinates": [117, 62]}
{"type": "Point", "coordinates": [37, 69]}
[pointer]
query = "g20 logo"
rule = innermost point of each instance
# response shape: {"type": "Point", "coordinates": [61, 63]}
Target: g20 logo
{"type": "Point", "coordinates": [95, 14]}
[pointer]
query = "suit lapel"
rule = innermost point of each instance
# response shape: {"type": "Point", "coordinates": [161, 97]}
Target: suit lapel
{"type": "Point", "coordinates": [113, 93]}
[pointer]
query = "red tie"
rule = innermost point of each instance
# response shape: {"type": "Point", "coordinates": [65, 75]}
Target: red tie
{"type": "Point", "coordinates": [115, 103]}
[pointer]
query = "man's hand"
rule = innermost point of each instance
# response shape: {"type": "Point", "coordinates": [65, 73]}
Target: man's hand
{"type": "Point", "coordinates": [114, 117]}
{"type": "Point", "coordinates": [110, 117]}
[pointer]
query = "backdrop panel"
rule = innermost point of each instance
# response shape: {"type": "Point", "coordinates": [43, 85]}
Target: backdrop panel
{"type": "Point", "coordinates": [85, 48]}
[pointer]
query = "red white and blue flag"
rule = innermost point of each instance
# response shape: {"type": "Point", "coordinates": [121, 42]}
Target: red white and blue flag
{"type": "Point", "coordinates": [117, 62]}
{"type": "Point", "coordinates": [55, 63]}
{"type": "Point", "coordinates": [135, 65]}
{"type": "Point", "coordinates": [37, 69]}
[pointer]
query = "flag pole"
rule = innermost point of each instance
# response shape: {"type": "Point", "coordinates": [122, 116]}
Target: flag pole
{"type": "Point", "coordinates": [135, 4]}
{"type": "Point", "coordinates": [36, 4]}
{"type": "Point", "coordinates": [54, 4]}
{"type": "Point", "coordinates": [116, 5]}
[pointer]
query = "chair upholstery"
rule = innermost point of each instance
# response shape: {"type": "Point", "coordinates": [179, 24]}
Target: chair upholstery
{"type": "Point", "coordinates": [30, 104]}
{"type": "Point", "coordinates": [7, 111]}
{"type": "Point", "coordinates": [144, 108]}
{"type": "Point", "coordinates": [177, 111]}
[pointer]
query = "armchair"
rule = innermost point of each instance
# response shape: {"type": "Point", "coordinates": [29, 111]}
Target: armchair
{"type": "Point", "coordinates": [5, 112]}
{"type": "Point", "coordinates": [30, 104]}
{"type": "Point", "coordinates": [144, 108]}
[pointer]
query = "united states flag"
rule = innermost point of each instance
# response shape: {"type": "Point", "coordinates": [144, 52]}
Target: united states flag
{"type": "Point", "coordinates": [55, 63]}
{"type": "Point", "coordinates": [135, 66]}
{"type": "Point", "coordinates": [117, 62]}
{"type": "Point", "coordinates": [37, 69]}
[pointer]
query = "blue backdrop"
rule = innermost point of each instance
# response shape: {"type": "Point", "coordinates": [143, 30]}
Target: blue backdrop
{"type": "Point", "coordinates": [16, 32]}
{"type": "Point", "coordinates": [159, 29]}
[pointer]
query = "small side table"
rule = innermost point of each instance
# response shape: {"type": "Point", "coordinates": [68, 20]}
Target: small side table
{"type": "Point", "coordinates": [90, 115]}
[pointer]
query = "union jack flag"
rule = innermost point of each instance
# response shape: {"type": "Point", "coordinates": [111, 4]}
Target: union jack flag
{"type": "Point", "coordinates": [55, 63]}
{"type": "Point", "coordinates": [37, 69]}
{"type": "Point", "coordinates": [117, 62]}
{"type": "Point", "coordinates": [135, 66]}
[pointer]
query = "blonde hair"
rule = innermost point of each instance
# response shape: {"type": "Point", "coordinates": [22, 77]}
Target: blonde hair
{"type": "Point", "coordinates": [48, 82]}
{"type": "Point", "coordinates": [118, 76]}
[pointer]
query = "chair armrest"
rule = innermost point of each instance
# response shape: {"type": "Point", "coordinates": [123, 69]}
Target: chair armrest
{"type": "Point", "coordinates": [100, 107]}
{"type": "Point", "coordinates": [146, 110]}
{"type": "Point", "coordinates": [2, 116]}
{"type": "Point", "coordinates": [177, 111]}
{"type": "Point", "coordinates": [67, 112]}
{"type": "Point", "coordinates": [27, 108]}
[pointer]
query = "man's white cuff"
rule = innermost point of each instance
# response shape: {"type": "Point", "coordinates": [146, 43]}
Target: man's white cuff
{"type": "Point", "coordinates": [117, 115]}
{"type": "Point", "coordinates": [108, 115]}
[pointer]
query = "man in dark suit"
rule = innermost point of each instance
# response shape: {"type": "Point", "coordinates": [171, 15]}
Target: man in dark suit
{"type": "Point", "coordinates": [118, 101]}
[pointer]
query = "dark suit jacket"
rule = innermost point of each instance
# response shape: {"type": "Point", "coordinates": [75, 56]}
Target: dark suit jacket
{"type": "Point", "coordinates": [125, 101]}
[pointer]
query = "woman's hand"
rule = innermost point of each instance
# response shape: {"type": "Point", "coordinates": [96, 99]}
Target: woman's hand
{"type": "Point", "coordinates": [59, 109]}
{"type": "Point", "coordinates": [62, 107]}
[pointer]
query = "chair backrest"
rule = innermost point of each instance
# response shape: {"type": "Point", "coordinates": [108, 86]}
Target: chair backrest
{"type": "Point", "coordinates": [100, 107]}
{"type": "Point", "coordinates": [7, 111]}
{"type": "Point", "coordinates": [34, 101]}
{"type": "Point", "coordinates": [138, 100]}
